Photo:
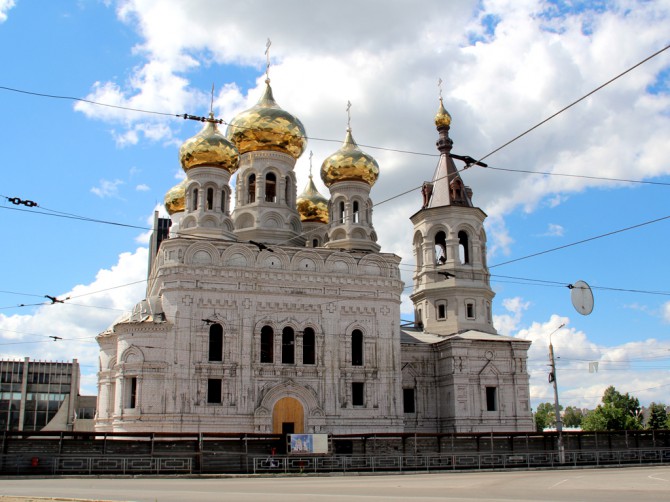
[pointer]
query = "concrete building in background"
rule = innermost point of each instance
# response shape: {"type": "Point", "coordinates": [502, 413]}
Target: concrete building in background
{"type": "Point", "coordinates": [39, 395]}
{"type": "Point", "coordinates": [280, 313]}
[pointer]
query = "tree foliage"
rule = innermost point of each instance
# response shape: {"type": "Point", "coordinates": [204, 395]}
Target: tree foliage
{"type": "Point", "coordinates": [572, 417]}
{"type": "Point", "coordinates": [545, 416]}
{"type": "Point", "coordinates": [657, 417]}
{"type": "Point", "coordinates": [617, 412]}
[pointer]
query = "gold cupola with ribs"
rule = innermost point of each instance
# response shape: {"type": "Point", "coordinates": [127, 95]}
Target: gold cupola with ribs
{"type": "Point", "coordinates": [349, 163]}
{"type": "Point", "coordinates": [209, 148]}
{"type": "Point", "coordinates": [175, 198]}
{"type": "Point", "coordinates": [312, 206]}
{"type": "Point", "coordinates": [266, 126]}
{"type": "Point", "coordinates": [442, 118]}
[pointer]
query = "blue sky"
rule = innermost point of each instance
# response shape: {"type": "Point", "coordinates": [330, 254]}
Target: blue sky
{"type": "Point", "coordinates": [505, 67]}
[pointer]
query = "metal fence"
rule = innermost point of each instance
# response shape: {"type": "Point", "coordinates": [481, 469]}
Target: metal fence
{"type": "Point", "coordinates": [457, 461]}
{"type": "Point", "coordinates": [89, 465]}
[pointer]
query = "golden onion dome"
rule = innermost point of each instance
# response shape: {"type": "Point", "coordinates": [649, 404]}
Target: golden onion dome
{"type": "Point", "coordinates": [209, 148]}
{"type": "Point", "coordinates": [442, 118]}
{"type": "Point", "coordinates": [266, 126]}
{"type": "Point", "coordinates": [349, 163]}
{"type": "Point", "coordinates": [312, 206]}
{"type": "Point", "coordinates": [175, 198]}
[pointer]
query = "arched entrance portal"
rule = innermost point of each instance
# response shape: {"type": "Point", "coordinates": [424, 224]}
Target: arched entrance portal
{"type": "Point", "coordinates": [288, 417]}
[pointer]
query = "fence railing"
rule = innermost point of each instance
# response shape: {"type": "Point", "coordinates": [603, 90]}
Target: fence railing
{"type": "Point", "coordinates": [89, 465]}
{"type": "Point", "coordinates": [457, 461]}
{"type": "Point", "coordinates": [199, 463]}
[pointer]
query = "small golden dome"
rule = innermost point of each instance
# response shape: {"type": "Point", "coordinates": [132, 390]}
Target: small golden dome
{"type": "Point", "coordinates": [266, 126]}
{"type": "Point", "coordinates": [442, 119]}
{"type": "Point", "coordinates": [349, 163]}
{"type": "Point", "coordinates": [175, 198]}
{"type": "Point", "coordinates": [312, 206]}
{"type": "Point", "coordinates": [209, 148]}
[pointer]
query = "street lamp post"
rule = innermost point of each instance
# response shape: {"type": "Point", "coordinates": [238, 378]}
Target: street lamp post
{"type": "Point", "coordinates": [552, 379]}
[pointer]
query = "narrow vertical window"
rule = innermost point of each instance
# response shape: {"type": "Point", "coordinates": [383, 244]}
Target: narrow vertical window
{"type": "Point", "coordinates": [251, 189]}
{"type": "Point", "coordinates": [357, 348]}
{"type": "Point", "coordinates": [287, 191]}
{"type": "Point", "coordinates": [223, 201]}
{"type": "Point", "coordinates": [442, 310]}
{"type": "Point", "coordinates": [195, 199]}
{"type": "Point", "coordinates": [470, 310]}
{"type": "Point", "coordinates": [267, 344]}
{"type": "Point", "coordinates": [214, 391]}
{"type": "Point", "coordinates": [357, 212]}
{"type": "Point", "coordinates": [341, 212]}
{"type": "Point", "coordinates": [491, 399]}
{"type": "Point", "coordinates": [132, 392]}
{"type": "Point", "coordinates": [463, 247]}
{"type": "Point", "coordinates": [270, 187]}
{"type": "Point", "coordinates": [216, 342]}
{"type": "Point", "coordinates": [288, 346]}
{"type": "Point", "coordinates": [315, 243]}
{"type": "Point", "coordinates": [308, 346]}
{"type": "Point", "coordinates": [440, 248]}
{"type": "Point", "coordinates": [408, 401]}
{"type": "Point", "coordinates": [210, 199]}
{"type": "Point", "coordinates": [358, 393]}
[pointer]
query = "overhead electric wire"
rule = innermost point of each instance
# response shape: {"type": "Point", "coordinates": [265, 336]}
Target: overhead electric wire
{"type": "Point", "coordinates": [607, 234]}
{"type": "Point", "coordinates": [575, 102]}
{"type": "Point", "coordinates": [83, 100]}
{"type": "Point", "coordinates": [599, 178]}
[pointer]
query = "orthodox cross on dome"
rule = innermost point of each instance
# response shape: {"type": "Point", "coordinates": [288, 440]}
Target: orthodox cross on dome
{"type": "Point", "coordinates": [348, 114]}
{"type": "Point", "coordinates": [267, 59]}
{"type": "Point", "coordinates": [439, 86]}
{"type": "Point", "coordinates": [311, 154]}
{"type": "Point", "coordinates": [211, 102]}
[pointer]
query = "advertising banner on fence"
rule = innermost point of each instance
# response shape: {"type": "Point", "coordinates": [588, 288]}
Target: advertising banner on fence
{"type": "Point", "coordinates": [302, 444]}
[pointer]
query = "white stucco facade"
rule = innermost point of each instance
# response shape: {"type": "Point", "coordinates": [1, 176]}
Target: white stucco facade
{"type": "Point", "coordinates": [253, 323]}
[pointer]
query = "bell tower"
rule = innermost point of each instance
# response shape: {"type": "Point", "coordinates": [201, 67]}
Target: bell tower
{"type": "Point", "coordinates": [451, 292]}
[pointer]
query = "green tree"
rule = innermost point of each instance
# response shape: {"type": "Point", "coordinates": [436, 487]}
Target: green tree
{"type": "Point", "coordinates": [545, 416]}
{"type": "Point", "coordinates": [657, 417]}
{"type": "Point", "coordinates": [572, 417]}
{"type": "Point", "coordinates": [617, 412]}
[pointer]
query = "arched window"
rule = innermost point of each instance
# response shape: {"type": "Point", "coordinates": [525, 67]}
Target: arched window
{"type": "Point", "coordinates": [270, 187]}
{"type": "Point", "coordinates": [308, 346]}
{"type": "Point", "coordinates": [357, 347]}
{"type": "Point", "coordinates": [463, 247]}
{"type": "Point", "coordinates": [216, 342]}
{"type": "Point", "coordinates": [357, 212]}
{"type": "Point", "coordinates": [315, 243]}
{"type": "Point", "coordinates": [341, 212]}
{"type": "Point", "coordinates": [267, 344]}
{"type": "Point", "coordinates": [223, 201]}
{"type": "Point", "coordinates": [288, 346]}
{"type": "Point", "coordinates": [194, 201]}
{"type": "Point", "coordinates": [251, 189]}
{"type": "Point", "coordinates": [440, 248]}
{"type": "Point", "coordinates": [210, 199]}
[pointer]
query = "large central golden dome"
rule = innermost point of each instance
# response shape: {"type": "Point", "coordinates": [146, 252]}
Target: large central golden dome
{"type": "Point", "coordinates": [266, 126]}
{"type": "Point", "coordinates": [349, 163]}
{"type": "Point", "coordinates": [209, 148]}
{"type": "Point", "coordinates": [312, 206]}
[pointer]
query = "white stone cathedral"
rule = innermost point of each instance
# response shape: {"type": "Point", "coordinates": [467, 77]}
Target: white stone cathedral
{"type": "Point", "coordinates": [283, 315]}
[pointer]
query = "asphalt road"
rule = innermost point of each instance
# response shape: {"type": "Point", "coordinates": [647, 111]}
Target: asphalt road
{"type": "Point", "coordinates": [631, 484]}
